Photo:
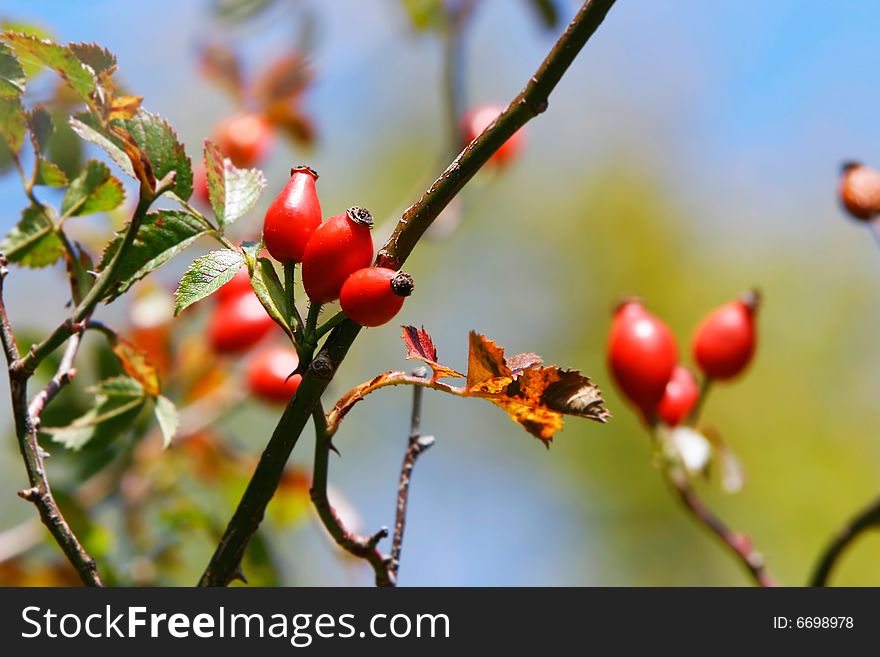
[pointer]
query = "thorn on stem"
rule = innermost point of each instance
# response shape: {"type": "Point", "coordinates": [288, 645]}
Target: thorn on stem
{"type": "Point", "coordinates": [29, 494]}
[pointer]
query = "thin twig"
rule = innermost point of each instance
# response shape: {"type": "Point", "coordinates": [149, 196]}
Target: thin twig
{"type": "Point", "coordinates": [63, 375]}
{"type": "Point", "coordinates": [530, 102]}
{"type": "Point", "coordinates": [363, 547]}
{"type": "Point", "coordinates": [739, 544]}
{"type": "Point", "coordinates": [867, 518]}
{"type": "Point", "coordinates": [39, 493]}
{"type": "Point", "coordinates": [416, 445]}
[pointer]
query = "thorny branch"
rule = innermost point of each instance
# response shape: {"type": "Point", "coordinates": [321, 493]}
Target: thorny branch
{"type": "Point", "coordinates": [530, 102]}
{"type": "Point", "coordinates": [363, 547]}
{"type": "Point", "coordinates": [39, 492]}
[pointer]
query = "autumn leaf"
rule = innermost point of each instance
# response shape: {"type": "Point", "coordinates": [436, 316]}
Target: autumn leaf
{"type": "Point", "coordinates": [220, 65]}
{"type": "Point", "coordinates": [535, 397]}
{"type": "Point", "coordinates": [520, 362]}
{"type": "Point", "coordinates": [420, 346]}
{"type": "Point", "coordinates": [540, 397]}
{"type": "Point", "coordinates": [136, 364]}
{"type": "Point", "coordinates": [284, 80]}
{"type": "Point", "coordinates": [124, 107]}
{"type": "Point", "coordinates": [487, 369]}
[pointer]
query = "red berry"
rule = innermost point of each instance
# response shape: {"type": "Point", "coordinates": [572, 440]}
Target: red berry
{"type": "Point", "coordinates": [373, 296]}
{"type": "Point", "coordinates": [238, 324]}
{"type": "Point", "coordinates": [338, 248]}
{"type": "Point", "coordinates": [642, 354]}
{"type": "Point", "coordinates": [293, 216]}
{"type": "Point", "coordinates": [860, 190]}
{"type": "Point", "coordinates": [200, 186]}
{"type": "Point", "coordinates": [478, 119]}
{"type": "Point", "coordinates": [244, 138]}
{"type": "Point", "coordinates": [235, 287]}
{"type": "Point", "coordinates": [269, 374]}
{"type": "Point", "coordinates": [679, 398]}
{"type": "Point", "coordinates": [724, 342]}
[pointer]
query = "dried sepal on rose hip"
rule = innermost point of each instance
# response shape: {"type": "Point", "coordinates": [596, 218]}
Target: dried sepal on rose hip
{"type": "Point", "coordinates": [679, 398]}
{"type": "Point", "coordinates": [374, 295]}
{"type": "Point", "coordinates": [237, 324]}
{"type": "Point", "coordinates": [725, 341]}
{"type": "Point", "coordinates": [859, 190]}
{"type": "Point", "coordinates": [337, 248]}
{"type": "Point", "coordinates": [270, 374]}
{"type": "Point", "coordinates": [293, 216]}
{"type": "Point", "coordinates": [642, 354]}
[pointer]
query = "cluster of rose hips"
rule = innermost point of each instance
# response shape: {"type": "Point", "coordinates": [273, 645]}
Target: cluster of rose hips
{"type": "Point", "coordinates": [643, 357]}
{"type": "Point", "coordinates": [336, 257]}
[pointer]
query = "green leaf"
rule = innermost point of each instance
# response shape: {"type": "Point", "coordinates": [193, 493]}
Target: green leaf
{"type": "Point", "coordinates": [57, 57]}
{"type": "Point", "coordinates": [93, 190]}
{"type": "Point", "coordinates": [33, 242]}
{"type": "Point", "coordinates": [30, 65]}
{"type": "Point", "coordinates": [267, 286]}
{"type": "Point", "coordinates": [85, 126]}
{"type": "Point", "coordinates": [233, 192]}
{"type": "Point", "coordinates": [49, 174]}
{"type": "Point", "coordinates": [113, 398]}
{"type": "Point", "coordinates": [166, 154]}
{"type": "Point", "coordinates": [13, 122]}
{"type": "Point", "coordinates": [91, 54]}
{"type": "Point", "coordinates": [162, 236]}
{"type": "Point", "coordinates": [39, 122]}
{"type": "Point", "coordinates": [425, 14]}
{"type": "Point", "coordinates": [167, 417]}
{"type": "Point", "coordinates": [207, 275]}
{"type": "Point", "coordinates": [12, 79]}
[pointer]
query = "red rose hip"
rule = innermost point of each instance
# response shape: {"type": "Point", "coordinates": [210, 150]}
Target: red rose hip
{"type": "Point", "coordinates": [478, 119]}
{"type": "Point", "coordinates": [238, 324]}
{"type": "Point", "coordinates": [642, 354]}
{"type": "Point", "coordinates": [244, 138]}
{"type": "Point", "coordinates": [293, 216]}
{"type": "Point", "coordinates": [373, 296]}
{"type": "Point", "coordinates": [679, 398]}
{"type": "Point", "coordinates": [725, 340]}
{"type": "Point", "coordinates": [235, 287]}
{"type": "Point", "coordinates": [338, 248]}
{"type": "Point", "coordinates": [860, 190]}
{"type": "Point", "coordinates": [269, 374]}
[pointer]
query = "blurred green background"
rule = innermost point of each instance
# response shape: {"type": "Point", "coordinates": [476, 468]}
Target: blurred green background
{"type": "Point", "coordinates": [691, 152]}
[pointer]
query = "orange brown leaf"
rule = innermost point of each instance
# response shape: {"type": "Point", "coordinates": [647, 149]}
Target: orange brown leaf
{"type": "Point", "coordinates": [124, 107]}
{"type": "Point", "coordinates": [220, 64]}
{"type": "Point", "coordinates": [487, 369]}
{"type": "Point", "coordinates": [420, 346]}
{"type": "Point", "coordinates": [520, 362]}
{"type": "Point", "coordinates": [137, 365]}
{"type": "Point", "coordinates": [539, 398]}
